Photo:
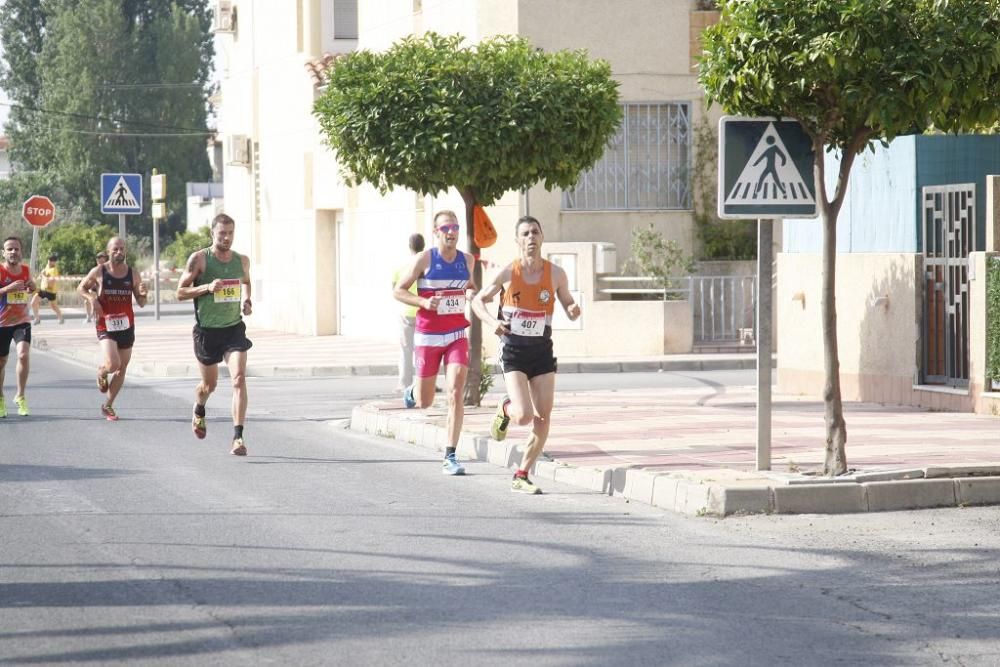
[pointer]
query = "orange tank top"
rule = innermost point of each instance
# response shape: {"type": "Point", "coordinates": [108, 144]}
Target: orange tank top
{"type": "Point", "coordinates": [528, 307]}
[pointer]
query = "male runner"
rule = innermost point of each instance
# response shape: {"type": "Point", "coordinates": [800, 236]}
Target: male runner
{"type": "Point", "coordinates": [444, 276]}
{"type": "Point", "coordinates": [16, 287]}
{"type": "Point", "coordinates": [218, 279]}
{"type": "Point", "coordinates": [48, 290]}
{"type": "Point", "coordinates": [529, 288]}
{"type": "Point", "coordinates": [108, 290]}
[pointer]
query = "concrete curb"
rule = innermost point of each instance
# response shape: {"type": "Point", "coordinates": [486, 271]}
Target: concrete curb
{"type": "Point", "coordinates": [717, 493]}
{"type": "Point", "coordinates": [173, 370]}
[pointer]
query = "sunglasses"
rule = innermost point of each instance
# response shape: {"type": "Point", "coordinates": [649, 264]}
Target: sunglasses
{"type": "Point", "coordinates": [448, 228]}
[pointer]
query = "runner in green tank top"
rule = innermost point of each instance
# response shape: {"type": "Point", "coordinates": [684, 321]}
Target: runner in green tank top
{"type": "Point", "coordinates": [218, 280]}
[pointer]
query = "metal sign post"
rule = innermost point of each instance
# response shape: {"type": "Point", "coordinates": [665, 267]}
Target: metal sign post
{"type": "Point", "coordinates": [766, 171]}
{"type": "Point", "coordinates": [158, 192]}
{"type": "Point", "coordinates": [765, 259]}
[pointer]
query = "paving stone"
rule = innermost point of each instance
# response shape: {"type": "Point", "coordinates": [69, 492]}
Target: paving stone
{"type": "Point", "coordinates": [910, 494]}
{"type": "Point", "coordinates": [977, 491]}
{"type": "Point", "coordinates": [820, 499]}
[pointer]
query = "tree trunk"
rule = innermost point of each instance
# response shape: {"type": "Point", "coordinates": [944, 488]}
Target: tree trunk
{"type": "Point", "coordinates": [835, 459]}
{"type": "Point", "coordinates": [472, 396]}
{"type": "Point", "coordinates": [835, 462]}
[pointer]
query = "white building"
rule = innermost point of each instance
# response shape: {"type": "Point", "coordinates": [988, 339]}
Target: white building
{"type": "Point", "coordinates": [322, 254]}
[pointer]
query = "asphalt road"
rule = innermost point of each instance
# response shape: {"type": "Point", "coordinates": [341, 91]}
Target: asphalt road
{"type": "Point", "coordinates": [132, 542]}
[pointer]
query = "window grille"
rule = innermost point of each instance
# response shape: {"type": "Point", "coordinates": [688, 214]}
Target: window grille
{"type": "Point", "coordinates": [345, 19]}
{"type": "Point", "coordinates": [647, 164]}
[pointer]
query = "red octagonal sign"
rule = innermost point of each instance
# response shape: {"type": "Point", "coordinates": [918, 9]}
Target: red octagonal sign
{"type": "Point", "coordinates": [38, 210]}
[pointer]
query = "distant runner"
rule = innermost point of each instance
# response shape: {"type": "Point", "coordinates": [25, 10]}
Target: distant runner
{"type": "Point", "coordinates": [218, 279]}
{"type": "Point", "coordinates": [529, 287]}
{"type": "Point", "coordinates": [101, 258]}
{"type": "Point", "coordinates": [108, 290]}
{"type": "Point", "coordinates": [16, 287]}
{"type": "Point", "coordinates": [48, 289]}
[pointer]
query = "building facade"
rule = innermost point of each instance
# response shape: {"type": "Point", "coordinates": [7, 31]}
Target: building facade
{"type": "Point", "coordinates": [322, 253]}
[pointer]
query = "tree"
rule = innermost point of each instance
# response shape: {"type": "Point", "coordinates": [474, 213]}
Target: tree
{"type": "Point", "coordinates": [108, 86]}
{"type": "Point", "coordinates": [187, 243]}
{"type": "Point", "coordinates": [430, 113]}
{"type": "Point", "coordinates": [852, 72]}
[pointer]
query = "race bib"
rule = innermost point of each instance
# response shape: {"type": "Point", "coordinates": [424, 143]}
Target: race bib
{"type": "Point", "coordinates": [116, 322]}
{"type": "Point", "coordinates": [452, 302]}
{"type": "Point", "coordinates": [528, 323]}
{"type": "Point", "coordinates": [228, 292]}
{"type": "Point", "coordinates": [17, 298]}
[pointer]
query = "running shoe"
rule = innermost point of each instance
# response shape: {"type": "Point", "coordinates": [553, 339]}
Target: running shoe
{"type": "Point", "coordinates": [408, 400]}
{"type": "Point", "coordinates": [498, 429]}
{"type": "Point", "coordinates": [199, 427]}
{"type": "Point", "coordinates": [451, 466]}
{"type": "Point", "coordinates": [109, 413]}
{"type": "Point", "coordinates": [3, 407]}
{"type": "Point", "coordinates": [524, 485]}
{"type": "Point", "coordinates": [239, 449]}
{"type": "Point", "coordinates": [61, 320]}
{"type": "Point", "coordinates": [102, 381]}
{"type": "Point", "coordinates": [36, 321]}
{"type": "Point", "coordinates": [22, 406]}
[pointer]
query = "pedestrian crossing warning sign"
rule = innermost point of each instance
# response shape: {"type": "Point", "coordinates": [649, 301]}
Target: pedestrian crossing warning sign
{"type": "Point", "coordinates": [121, 193]}
{"type": "Point", "coordinates": [765, 169]}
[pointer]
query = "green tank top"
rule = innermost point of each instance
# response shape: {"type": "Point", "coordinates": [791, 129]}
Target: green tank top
{"type": "Point", "coordinates": [224, 307]}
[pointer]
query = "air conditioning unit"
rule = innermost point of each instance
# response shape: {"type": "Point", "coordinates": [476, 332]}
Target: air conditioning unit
{"type": "Point", "coordinates": [225, 16]}
{"type": "Point", "coordinates": [238, 149]}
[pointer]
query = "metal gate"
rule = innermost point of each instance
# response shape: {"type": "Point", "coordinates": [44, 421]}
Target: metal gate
{"type": "Point", "coordinates": [949, 223]}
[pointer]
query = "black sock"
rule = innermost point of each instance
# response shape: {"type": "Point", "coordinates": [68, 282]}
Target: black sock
{"type": "Point", "coordinates": [237, 431]}
{"type": "Point", "coordinates": [449, 451]}
{"type": "Point", "coordinates": [199, 409]}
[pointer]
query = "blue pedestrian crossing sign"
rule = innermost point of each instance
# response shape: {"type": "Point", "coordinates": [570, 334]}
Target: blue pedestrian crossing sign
{"type": "Point", "coordinates": [121, 193]}
{"type": "Point", "coordinates": [765, 169]}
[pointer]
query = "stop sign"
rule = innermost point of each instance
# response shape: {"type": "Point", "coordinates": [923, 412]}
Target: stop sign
{"type": "Point", "coordinates": [38, 210]}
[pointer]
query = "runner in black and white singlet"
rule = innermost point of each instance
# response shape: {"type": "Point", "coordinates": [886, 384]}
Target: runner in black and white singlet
{"type": "Point", "coordinates": [109, 289]}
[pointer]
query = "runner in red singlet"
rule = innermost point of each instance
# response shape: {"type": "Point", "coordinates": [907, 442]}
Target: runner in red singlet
{"type": "Point", "coordinates": [109, 289]}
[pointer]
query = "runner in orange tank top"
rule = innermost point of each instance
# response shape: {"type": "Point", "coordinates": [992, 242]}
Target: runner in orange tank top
{"type": "Point", "coordinates": [529, 286]}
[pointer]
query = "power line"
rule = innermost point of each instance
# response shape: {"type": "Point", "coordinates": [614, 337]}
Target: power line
{"type": "Point", "coordinates": [69, 114]}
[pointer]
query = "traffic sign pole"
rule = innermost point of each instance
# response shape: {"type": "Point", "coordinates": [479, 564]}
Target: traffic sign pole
{"type": "Point", "coordinates": [765, 259]}
{"type": "Point", "coordinates": [33, 262]}
{"type": "Point", "coordinates": [121, 226]}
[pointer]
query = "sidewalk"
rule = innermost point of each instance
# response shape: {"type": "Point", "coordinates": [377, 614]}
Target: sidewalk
{"type": "Point", "coordinates": [690, 451]}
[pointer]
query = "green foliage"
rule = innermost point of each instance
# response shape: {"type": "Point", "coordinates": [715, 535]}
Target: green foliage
{"type": "Point", "coordinates": [720, 239]}
{"type": "Point", "coordinates": [993, 320]}
{"type": "Point", "coordinates": [76, 243]}
{"type": "Point", "coordinates": [86, 79]}
{"type": "Point", "coordinates": [657, 258]}
{"type": "Point", "coordinates": [185, 244]}
{"type": "Point", "coordinates": [429, 114]}
{"type": "Point", "coordinates": [855, 70]}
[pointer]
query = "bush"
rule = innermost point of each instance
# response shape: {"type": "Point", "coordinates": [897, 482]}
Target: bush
{"type": "Point", "coordinates": [185, 244]}
{"type": "Point", "coordinates": [657, 258]}
{"type": "Point", "coordinates": [76, 243]}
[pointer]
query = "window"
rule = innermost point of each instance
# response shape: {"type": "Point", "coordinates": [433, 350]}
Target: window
{"type": "Point", "coordinates": [345, 19]}
{"type": "Point", "coordinates": [647, 164]}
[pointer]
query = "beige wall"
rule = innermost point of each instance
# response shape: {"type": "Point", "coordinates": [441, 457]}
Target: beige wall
{"type": "Point", "coordinates": [298, 250]}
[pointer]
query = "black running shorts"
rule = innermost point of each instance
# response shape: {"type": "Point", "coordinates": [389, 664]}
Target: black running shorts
{"type": "Point", "coordinates": [47, 296]}
{"type": "Point", "coordinates": [19, 333]}
{"type": "Point", "coordinates": [211, 345]}
{"type": "Point", "coordinates": [125, 339]}
{"type": "Point", "coordinates": [532, 360]}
